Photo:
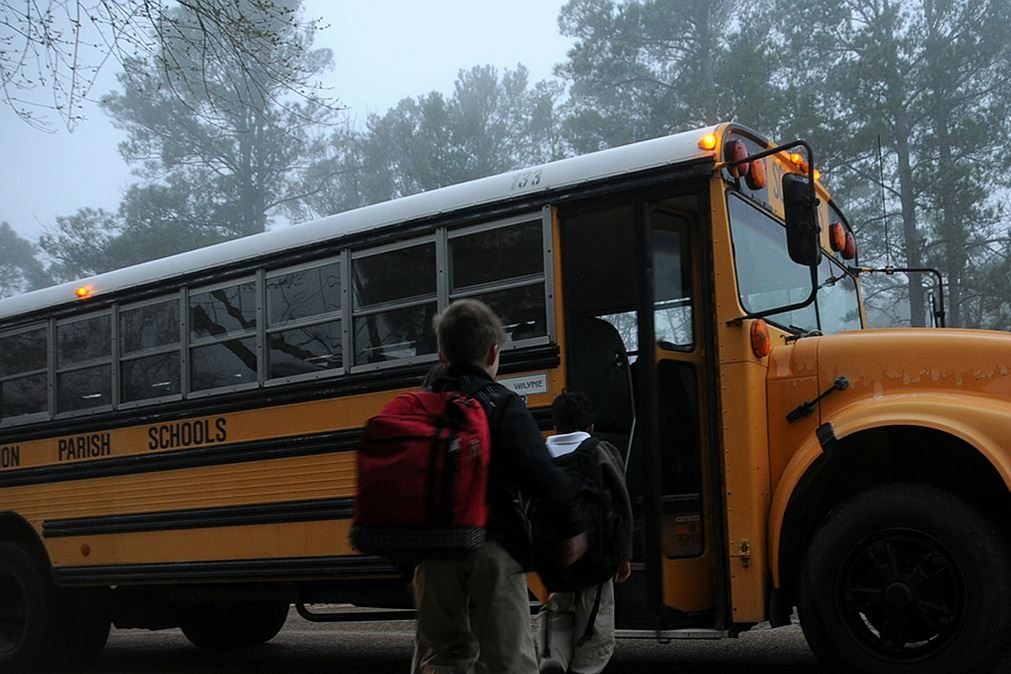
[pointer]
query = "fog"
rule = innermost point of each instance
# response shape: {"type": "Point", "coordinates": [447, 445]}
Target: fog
{"type": "Point", "coordinates": [383, 51]}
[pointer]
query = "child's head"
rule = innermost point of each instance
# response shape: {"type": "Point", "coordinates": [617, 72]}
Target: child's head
{"type": "Point", "coordinates": [572, 412]}
{"type": "Point", "coordinates": [470, 333]}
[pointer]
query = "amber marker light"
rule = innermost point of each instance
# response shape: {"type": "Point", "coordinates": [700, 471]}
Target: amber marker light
{"type": "Point", "coordinates": [837, 236]}
{"type": "Point", "coordinates": [756, 174]}
{"type": "Point", "coordinates": [849, 250]}
{"type": "Point", "coordinates": [83, 292]}
{"type": "Point", "coordinates": [761, 342]}
{"type": "Point", "coordinates": [708, 142]}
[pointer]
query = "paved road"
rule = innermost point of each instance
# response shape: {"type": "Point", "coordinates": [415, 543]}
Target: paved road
{"type": "Point", "coordinates": [385, 648]}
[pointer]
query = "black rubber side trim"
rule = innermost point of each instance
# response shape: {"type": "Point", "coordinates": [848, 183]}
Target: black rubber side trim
{"type": "Point", "coordinates": [310, 568]}
{"type": "Point", "coordinates": [202, 518]}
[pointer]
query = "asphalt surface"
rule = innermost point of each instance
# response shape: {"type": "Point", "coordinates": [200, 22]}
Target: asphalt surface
{"type": "Point", "coordinates": [385, 648]}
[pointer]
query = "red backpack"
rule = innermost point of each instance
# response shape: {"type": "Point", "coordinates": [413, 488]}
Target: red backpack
{"type": "Point", "coordinates": [423, 477]}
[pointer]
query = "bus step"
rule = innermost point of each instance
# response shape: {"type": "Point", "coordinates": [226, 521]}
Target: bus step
{"type": "Point", "coordinates": [347, 613]}
{"type": "Point", "coordinates": [671, 635]}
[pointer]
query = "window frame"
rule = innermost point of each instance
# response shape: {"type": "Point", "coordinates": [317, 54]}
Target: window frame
{"type": "Point", "coordinates": [545, 278]}
{"type": "Point", "coordinates": [343, 259]}
{"type": "Point", "coordinates": [256, 333]}
{"type": "Point", "coordinates": [180, 347]}
{"type": "Point", "coordinates": [440, 236]}
{"type": "Point", "coordinates": [394, 305]}
{"type": "Point", "coordinates": [110, 360]}
{"type": "Point", "coordinates": [31, 417]}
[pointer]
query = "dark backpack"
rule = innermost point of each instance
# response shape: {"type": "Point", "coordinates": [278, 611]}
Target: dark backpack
{"type": "Point", "coordinates": [602, 523]}
{"type": "Point", "coordinates": [423, 477]}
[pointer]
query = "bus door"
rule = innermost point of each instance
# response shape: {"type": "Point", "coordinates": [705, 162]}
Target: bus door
{"type": "Point", "coordinates": [604, 358]}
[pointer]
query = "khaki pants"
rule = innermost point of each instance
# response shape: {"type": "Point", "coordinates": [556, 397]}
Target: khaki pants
{"type": "Point", "coordinates": [563, 624]}
{"type": "Point", "coordinates": [473, 616]}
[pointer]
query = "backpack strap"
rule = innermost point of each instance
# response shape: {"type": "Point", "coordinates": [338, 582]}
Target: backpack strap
{"type": "Point", "coordinates": [592, 618]}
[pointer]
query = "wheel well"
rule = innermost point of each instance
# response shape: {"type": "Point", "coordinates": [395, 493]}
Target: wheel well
{"type": "Point", "coordinates": [14, 529]}
{"type": "Point", "coordinates": [879, 456]}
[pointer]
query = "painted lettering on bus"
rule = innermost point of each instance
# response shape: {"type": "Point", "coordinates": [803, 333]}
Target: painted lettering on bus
{"type": "Point", "coordinates": [187, 433]}
{"type": "Point", "coordinates": [88, 446]}
{"type": "Point", "coordinates": [10, 456]}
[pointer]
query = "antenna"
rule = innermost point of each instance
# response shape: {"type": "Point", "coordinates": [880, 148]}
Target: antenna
{"type": "Point", "coordinates": [884, 210]}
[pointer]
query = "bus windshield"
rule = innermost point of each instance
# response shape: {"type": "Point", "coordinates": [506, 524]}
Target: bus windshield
{"type": "Point", "coordinates": [767, 278]}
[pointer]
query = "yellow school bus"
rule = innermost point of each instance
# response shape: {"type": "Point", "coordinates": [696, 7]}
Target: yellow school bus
{"type": "Point", "coordinates": [177, 438]}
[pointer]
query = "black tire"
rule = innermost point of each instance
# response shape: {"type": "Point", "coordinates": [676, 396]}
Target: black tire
{"type": "Point", "coordinates": [233, 624]}
{"type": "Point", "coordinates": [906, 578]}
{"type": "Point", "coordinates": [27, 618]}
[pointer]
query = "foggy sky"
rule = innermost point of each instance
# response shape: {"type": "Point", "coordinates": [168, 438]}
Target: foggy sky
{"type": "Point", "coordinates": [384, 50]}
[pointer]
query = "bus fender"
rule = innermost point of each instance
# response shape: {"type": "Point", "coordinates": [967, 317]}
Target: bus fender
{"type": "Point", "coordinates": [982, 423]}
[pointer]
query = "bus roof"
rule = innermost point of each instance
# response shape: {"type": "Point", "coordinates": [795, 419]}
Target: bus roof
{"type": "Point", "coordinates": [645, 155]}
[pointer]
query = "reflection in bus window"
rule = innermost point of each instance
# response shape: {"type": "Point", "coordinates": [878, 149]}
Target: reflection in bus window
{"type": "Point", "coordinates": [24, 395]}
{"type": "Point", "coordinates": [149, 352]}
{"type": "Point", "coordinates": [768, 278]}
{"type": "Point", "coordinates": [84, 375]}
{"type": "Point", "coordinates": [223, 328]}
{"type": "Point", "coordinates": [82, 341]}
{"type": "Point", "coordinates": [481, 263]}
{"type": "Point", "coordinates": [23, 380]}
{"type": "Point", "coordinates": [149, 326]}
{"type": "Point", "coordinates": [305, 349]}
{"type": "Point", "coordinates": [150, 377]}
{"type": "Point", "coordinates": [395, 334]}
{"type": "Point", "coordinates": [84, 388]}
{"type": "Point", "coordinates": [227, 363]}
{"type": "Point", "coordinates": [394, 301]}
{"type": "Point", "coordinates": [838, 303]}
{"type": "Point", "coordinates": [302, 294]}
{"type": "Point", "coordinates": [304, 326]}
{"type": "Point", "coordinates": [222, 311]}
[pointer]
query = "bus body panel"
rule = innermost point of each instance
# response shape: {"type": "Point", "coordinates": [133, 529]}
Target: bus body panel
{"type": "Point", "coordinates": [955, 383]}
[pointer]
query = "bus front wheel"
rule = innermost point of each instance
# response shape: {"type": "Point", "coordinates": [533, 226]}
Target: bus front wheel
{"type": "Point", "coordinates": [906, 578]}
{"type": "Point", "coordinates": [232, 624]}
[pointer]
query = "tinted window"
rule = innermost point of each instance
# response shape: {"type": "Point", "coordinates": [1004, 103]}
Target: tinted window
{"type": "Point", "coordinates": [23, 352]}
{"type": "Point", "coordinates": [305, 349]}
{"type": "Point", "coordinates": [85, 388]}
{"type": "Point", "coordinates": [150, 377]}
{"type": "Point", "coordinates": [396, 275]}
{"type": "Point", "coordinates": [24, 395]}
{"type": "Point", "coordinates": [149, 326]}
{"type": "Point", "coordinates": [85, 340]}
{"type": "Point", "coordinates": [497, 254]}
{"type": "Point", "coordinates": [223, 364]}
{"type": "Point", "coordinates": [305, 293]}
{"type": "Point", "coordinates": [223, 311]}
{"type": "Point", "coordinates": [521, 310]}
{"type": "Point", "coordinates": [393, 335]}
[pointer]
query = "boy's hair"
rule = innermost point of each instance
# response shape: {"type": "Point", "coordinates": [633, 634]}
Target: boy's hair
{"type": "Point", "coordinates": [466, 330]}
{"type": "Point", "coordinates": [572, 411]}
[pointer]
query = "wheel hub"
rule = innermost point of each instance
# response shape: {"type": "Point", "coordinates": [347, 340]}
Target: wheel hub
{"type": "Point", "coordinates": [899, 595]}
{"type": "Point", "coordinates": [900, 591]}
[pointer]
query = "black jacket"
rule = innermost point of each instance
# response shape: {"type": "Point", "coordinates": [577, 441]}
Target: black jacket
{"type": "Point", "coordinates": [520, 464]}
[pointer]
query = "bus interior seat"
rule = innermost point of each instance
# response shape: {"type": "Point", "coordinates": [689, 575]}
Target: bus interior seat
{"type": "Point", "coordinates": [598, 367]}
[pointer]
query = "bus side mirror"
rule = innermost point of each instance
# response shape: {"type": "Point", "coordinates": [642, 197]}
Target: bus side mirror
{"type": "Point", "coordinates": [801, 220]}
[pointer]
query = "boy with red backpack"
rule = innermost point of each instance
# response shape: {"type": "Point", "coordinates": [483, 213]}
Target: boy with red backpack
{"type": "Point", "coordinates": [473, 608]}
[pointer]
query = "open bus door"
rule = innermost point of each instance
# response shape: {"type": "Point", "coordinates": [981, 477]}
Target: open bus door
{"type": "Point", "coordinates": [651, 403]}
